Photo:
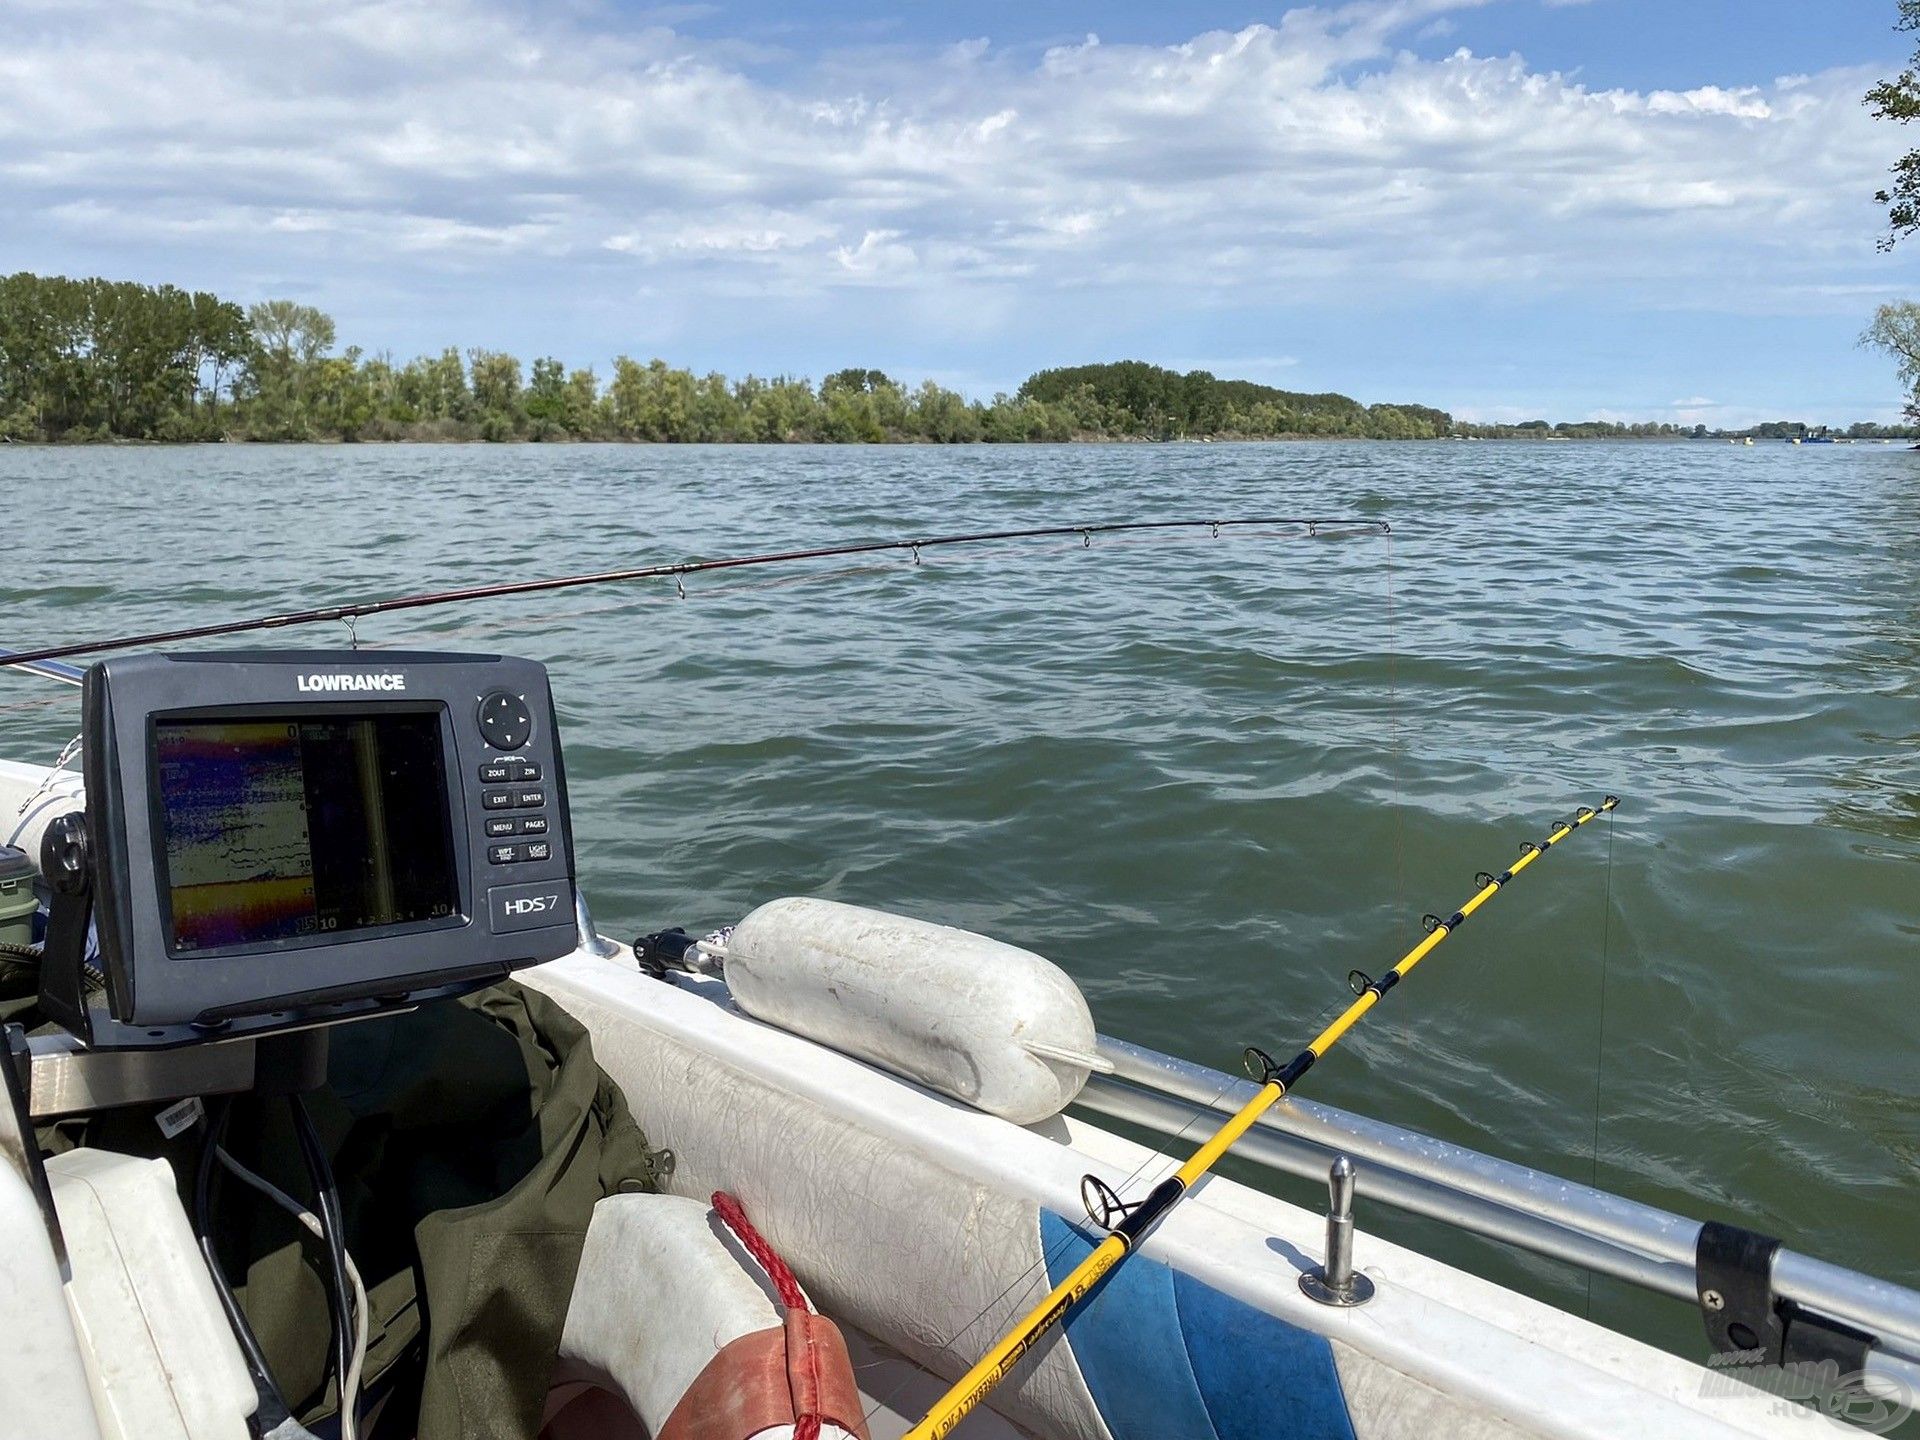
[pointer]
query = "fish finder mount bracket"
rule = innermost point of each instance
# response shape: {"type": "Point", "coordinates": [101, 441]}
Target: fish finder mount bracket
{"type": "Point", "coordinates": [66, 862]}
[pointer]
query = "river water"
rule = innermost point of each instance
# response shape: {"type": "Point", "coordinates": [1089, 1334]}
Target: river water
{"type": "Point", "coordinates": [1210, 777]}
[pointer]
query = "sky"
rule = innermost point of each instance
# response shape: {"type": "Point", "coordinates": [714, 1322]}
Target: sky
{"type": "Point", "coordinates": [1624, 209]}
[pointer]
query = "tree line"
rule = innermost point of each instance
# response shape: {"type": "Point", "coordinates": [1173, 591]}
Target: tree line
{"type": "Point", "coordinates": [94, 360]}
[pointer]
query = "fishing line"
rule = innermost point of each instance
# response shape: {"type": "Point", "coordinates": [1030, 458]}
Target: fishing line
{"type": "Point", "coordinates": [1163, 1152]}
{"type": "Point", "coordinates": [546, 618]}
{"type": "Point", "coordinates": [543, 618]}
{"type": "Point", "coordinates": [1600, 1043]}
{"type": "Point", "coordinates": [674, 570]}
{"type": "Point", "coordinates": [350, 613]}
{"type": "Point", "coordinates": [1129, 1224]}
{"type": "Point", "coordinates": [1395, 744]}
{"type": "Point", "coordinates": [1044, 1264]}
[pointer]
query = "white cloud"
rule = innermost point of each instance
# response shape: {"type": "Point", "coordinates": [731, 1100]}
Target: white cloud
{"type": "Point", "coordinates": [1312, 157]}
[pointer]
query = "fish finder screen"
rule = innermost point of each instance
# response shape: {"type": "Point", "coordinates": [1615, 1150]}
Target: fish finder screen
{"type": "Point", "coordinates": [297, 829]}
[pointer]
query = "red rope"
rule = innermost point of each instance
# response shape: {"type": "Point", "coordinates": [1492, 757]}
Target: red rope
{"type": "Point", "coordinates": [728, 1209]}
{"type": "Point", "coordinates": [805, 1427]}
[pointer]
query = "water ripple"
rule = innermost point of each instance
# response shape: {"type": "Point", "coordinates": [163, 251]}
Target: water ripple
{"type": "Point", "coordinates": [1209, 777]}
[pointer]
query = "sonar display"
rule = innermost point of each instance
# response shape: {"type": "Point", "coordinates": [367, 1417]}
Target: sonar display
{"type": "Point", "coordinates": [280, 830]}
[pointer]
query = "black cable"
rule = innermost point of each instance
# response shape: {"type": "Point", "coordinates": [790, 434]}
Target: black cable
{"type": "Point", "coordinates": [328, 1196]}
{"type": "Point", "coordinates": [271, 1410]}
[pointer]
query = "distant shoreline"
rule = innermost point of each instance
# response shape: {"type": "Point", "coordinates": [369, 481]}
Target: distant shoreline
{"type": "Point", "coordinates": [116, 362]}
{"type": "Point", "coordinates": [912, 441]}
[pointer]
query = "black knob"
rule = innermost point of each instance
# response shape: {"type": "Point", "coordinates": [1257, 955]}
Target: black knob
{"type": "Point", "coordinates": [505, 721]}
{"type": "Point", "coordinates": [66, 854]}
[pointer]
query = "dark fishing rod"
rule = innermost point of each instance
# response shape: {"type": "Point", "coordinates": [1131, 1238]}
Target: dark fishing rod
{"type": "Point", "coordinates": [37, 659]}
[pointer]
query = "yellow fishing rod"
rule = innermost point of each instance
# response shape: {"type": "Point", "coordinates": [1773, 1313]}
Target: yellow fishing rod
{"type": "Point", "coordinates": [1141, 1216]}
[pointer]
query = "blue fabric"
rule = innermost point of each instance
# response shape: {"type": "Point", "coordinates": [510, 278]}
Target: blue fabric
{"type": "Point", "coordinates": [1167, 1357]}
{"type": "Point", "coordinates": [1126, 1339]}
{"type": "Point", "coordinates": [1261, 1376]}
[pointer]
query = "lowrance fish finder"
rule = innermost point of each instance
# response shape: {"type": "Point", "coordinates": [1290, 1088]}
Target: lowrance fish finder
{"type": "Point", "coordinates": [277, 840]}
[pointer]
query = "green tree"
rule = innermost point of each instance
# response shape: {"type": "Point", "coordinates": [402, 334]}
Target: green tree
{"type": "Point", "coordinates": [289, 340]}
{"type": "Point", "coordinates": [581, 410]}
{"type": "Point", "coordinates": [1895, 331]}
{"type": "Point", "coordinates": [941, 415]}
{"type": "Point", "coordinates": [1898, 100]}
{"type": "Point", "coordinates": [546, 402]}
{"type": "Point", "coordinates": [496, 393]}
{"type": "Point", "coordinates": [221, 332]}
{"type": "Point", "coordinates": [339, 395]}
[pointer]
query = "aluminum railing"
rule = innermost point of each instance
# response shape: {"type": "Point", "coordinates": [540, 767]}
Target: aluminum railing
{"type": "Point", "coordinates": [45, 669]}
{"type": "Point", "coordinates": [1496, 1199]}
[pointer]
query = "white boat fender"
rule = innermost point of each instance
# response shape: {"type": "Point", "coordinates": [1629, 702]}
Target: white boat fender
{"type": "Point", "coordinates": [734, 1351]}
{"type": "Point", "coordinates": [988, 1023]}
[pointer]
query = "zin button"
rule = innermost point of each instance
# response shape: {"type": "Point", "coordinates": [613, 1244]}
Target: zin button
{"type": "Point", "coordinates": [526, 770]}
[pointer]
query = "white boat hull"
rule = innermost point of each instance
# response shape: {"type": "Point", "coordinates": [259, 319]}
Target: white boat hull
{"type": "Point", "coordinates": [930, 1227]}
{"type": "Point", "coordinates": [925, 1228]}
